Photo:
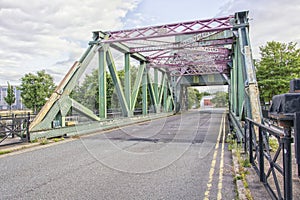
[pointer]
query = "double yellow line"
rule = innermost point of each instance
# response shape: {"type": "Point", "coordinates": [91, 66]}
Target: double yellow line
{"type": "Point", "coordinates": [213, 163]}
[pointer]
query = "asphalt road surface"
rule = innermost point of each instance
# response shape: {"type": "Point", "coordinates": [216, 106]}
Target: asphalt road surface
{"type": "Point", "coordinates": [179, 157]}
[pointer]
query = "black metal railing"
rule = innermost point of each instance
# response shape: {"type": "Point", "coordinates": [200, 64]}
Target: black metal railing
{"type": "Point", "coordinates": [15, 125]}
{"type": "Point", "coordinates": [275, 172]}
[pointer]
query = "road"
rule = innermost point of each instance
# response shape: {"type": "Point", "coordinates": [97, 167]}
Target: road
{"type": "Point", "coordinates": [179, 157]}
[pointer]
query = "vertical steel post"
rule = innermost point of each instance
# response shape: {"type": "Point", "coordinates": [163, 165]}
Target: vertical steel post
{"type": "Point", "coordinates": [165, 88]}
{"type": "Point", "coordinates": [250, 143]}
{"type": "Point", "coordinates": [234, 81]}
{"type": "Point", "coordinates": [128, 83]}
{"type": "Point", "coordinates": [117, 83]}
{"type": "Point", "coordinates": [151, 93]}
{"type": "Point", "coordinates": [27, 127]}
{"type": "Point", "coordinates": [144, 91]}
{"type": "Point", "coordinates": [13, 118]}
{"type": "Point", "coordinates": [137, 85]}
{"type": "Point", "coordinates": [297, 139]}
{"type": "Point", "coordinates": [261, 157]}
{"type": "Point", "coordinates": [156, 84]}
{"type": "Point", "coordinates": [186, 98]}
{"type": "Point", "coordinates": [287, 163]}
{"type": "Point", "coordinates": [240, 81]}
{"type": "Point", "coordinates": [245, 136]}
{"type": "Point", "coordinates": [102, 85]}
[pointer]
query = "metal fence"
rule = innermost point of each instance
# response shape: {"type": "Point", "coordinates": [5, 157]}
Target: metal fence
{"type": "Point", "coordinates": [274, 171]}
{"type": "Point", "coordinates": [15, 126]}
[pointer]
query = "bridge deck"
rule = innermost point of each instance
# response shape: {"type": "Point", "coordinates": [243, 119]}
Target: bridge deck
{"type": "Point", "coordinates": [179, 157]}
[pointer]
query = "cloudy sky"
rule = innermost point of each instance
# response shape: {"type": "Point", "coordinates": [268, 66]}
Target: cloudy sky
{"type": "Point", "coordinates": [51, 35]}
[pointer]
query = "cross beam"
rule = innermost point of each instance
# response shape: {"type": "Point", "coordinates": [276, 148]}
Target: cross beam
{"type": "Point", "coordinates": [181, 45]}
{"type": "Point", "coordinates": [192, 27]}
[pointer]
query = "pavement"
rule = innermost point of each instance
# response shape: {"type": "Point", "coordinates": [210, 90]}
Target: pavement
{"type": "Point", "coordinates": [160, 159]}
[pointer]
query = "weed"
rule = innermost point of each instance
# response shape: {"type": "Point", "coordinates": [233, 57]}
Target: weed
{"type": "Point", "coordinates": [43, 141]}
{"type": "Point", "coordinates": [58, 139]}
{"type": "Point", "coordinates": [35, 140]}
{"type": "Point", "coordinates": [238, 177]}
{"type": "Point", "coordinates": [246, 163]}
{"type": "Point", "coordinates": [273, 143]}
{"type": "Point", "coordinates": [242, 172]}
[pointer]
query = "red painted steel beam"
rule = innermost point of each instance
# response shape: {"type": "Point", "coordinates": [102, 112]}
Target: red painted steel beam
{"type": "Point", "coordinates": [192, 27]}
{"type": "Point", "coordinates": [180, 45]}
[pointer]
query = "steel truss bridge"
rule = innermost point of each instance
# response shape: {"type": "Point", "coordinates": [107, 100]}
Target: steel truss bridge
{"type": "Point", "coordinates": [170, 58]}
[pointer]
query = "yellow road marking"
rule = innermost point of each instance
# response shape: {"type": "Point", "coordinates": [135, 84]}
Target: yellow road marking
{"type": "Point", "coordinates": [220, 184]}
{"type": "Point", "coordinates": [213, 162]}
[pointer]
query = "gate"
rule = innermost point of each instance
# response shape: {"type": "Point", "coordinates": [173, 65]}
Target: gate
{"type": "Point", "coordinates": [14, 126]}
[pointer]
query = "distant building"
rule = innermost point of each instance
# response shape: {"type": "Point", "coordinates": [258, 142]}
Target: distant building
{"type": "Point", "coordinates": [206, 101]}
{"type": "Point", "coordinates": [18, 103]}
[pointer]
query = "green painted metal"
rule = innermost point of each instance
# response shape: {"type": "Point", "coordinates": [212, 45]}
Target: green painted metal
{"type": "Point", "coordinates": [84, 110]}
{"type": "Point", "coordinates": [252, 102]}
{"type": "Point", "coordinates": [144, 92]}
{"type": "Point", "coordinates": [232, 93]}
{"type": "Point", "coordinates": [80, 129]}
{"type": "Point", "coordinates": [137, 84]}
{"type": "Point", "coordinates": [117, 83]}
{"type": "Point", "coordinates": [58, 110]}
{"type": "Point", "coordinates": [240, 85]}
{"type": "Point", "coordinates": [170, 93]}
{"type": "Point", "coordinates": [155, 84]}
{"type": "Point", "coordinates": [162, 88]}
{"type": "Point", "coordinates": [102, 85]}
{"type": "Point", "coordinates": [165, 91]}
{"type": "Point", "coordinates": [152, 93]}
{"type": "Point", "coordinates": [128, 83]}
{"type": "Point", "coordinates": [49, 112]}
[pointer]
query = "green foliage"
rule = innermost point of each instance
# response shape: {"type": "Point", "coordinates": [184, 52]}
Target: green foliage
{"type": "Point", "coordinates": [279, 64]}
{"type": "Point", "coordinates": [194, 97]}
{"type": "Point", "coordinates": [246, 163]}
{"type": "Point", "coordinates": [220, 99]}
{"type": "Point", "coordinates": [206, 94]}
{"type": "Point", "coordinates": [273, 143]}
{"type": "Point", "coordinates": [35, 89]}
{"type": "Point", "coordinates": [10, 96]}
{"type": "Point", "coordinates": [88, 92]}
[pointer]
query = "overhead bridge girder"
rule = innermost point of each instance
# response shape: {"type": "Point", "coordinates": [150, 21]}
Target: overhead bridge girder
{"type": "Point", "coordinates": [170, 58]}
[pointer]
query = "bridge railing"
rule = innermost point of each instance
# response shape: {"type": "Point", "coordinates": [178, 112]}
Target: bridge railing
{"type": "Point", "coordinates": [15, 125]}
{"type": "Point", "coordinates": [274, 171]}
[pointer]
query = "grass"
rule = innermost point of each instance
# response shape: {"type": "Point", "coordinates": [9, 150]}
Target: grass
{"type": "Point", "coordinates": [5, 152]}
{"type": "Point", "coordinates": [43, 141]}
{"type": "Point", "coordinates": [58, 139]}
{"type": "Point", "coordinates": [244, 163]}
{"type": "Point", "coordinates": [273, 143]}
{"type": "Point", "coordinates": [35, 140]}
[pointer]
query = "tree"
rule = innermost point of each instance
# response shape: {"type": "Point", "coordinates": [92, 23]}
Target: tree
{"type": "Point", "coordinates": [194, 97]}
{"type": "Point", "coordinates": [88, 92]}
{"type": "Point", "coordinates": [279, 64]}
{"type": "Point", "coordinates": [35, 89]}
{"type": "Point", "coordinates": [10, 96]}
{"type": "Point", "coordinates": [220, 99]}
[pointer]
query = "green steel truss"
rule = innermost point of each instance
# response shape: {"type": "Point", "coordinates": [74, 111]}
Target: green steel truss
{"type": "Point", "coordinates": [208, 52]}
{"type": "Point", "coordinates": [60, 103]}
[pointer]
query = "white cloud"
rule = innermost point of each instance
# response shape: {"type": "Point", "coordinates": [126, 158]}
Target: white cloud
{"type": "Point", "coordinates": [270, 20]}
{"type": "Point", "coordinates": [38, 34]}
